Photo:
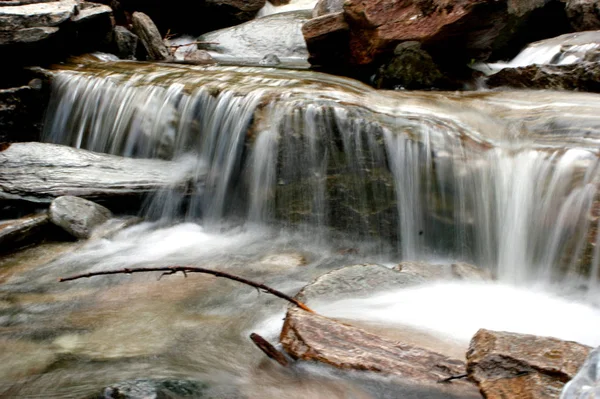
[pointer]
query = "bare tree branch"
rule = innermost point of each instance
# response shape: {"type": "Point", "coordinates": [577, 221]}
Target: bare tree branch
{"type": "Point", "coordinates": [188, 269]}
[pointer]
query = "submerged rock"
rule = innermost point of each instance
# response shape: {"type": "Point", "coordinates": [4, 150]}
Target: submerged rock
{"type": "Point", "coordinates": [356, 281]}
{"type": "Point", "coordinates": [586, 384]}
{"type": "Point", "coordinates": [78, 216]}
{"type": "Point", "coordinates": [429, 271]}
{"type": "Point", "coordinates": [510, 365]}
{"type": "Point", "coordinates": [312, 337]}
{"type": "Point", "coordinates": [154, 389]}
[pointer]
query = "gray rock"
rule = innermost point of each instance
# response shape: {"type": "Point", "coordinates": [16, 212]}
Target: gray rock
{"type": "Point", "coordinates": [270, 60]}
{"type": "Point", "coordinates": [429, 271]}
{"type": "Point", "coordinates": [40, 172]}
{"type": "Point", "coordinates": [26, 35]}
{"type": "Point", "coordinates": [355, 281]}
{"type": "Point", "coordinates": [36, 14]}
{"type": "Point", "coordinates": [125, 42]}
{"type": "Point", "coordinates": [78, 216]}
{"type": "Point", "coordinates": [278, 34]}
{"type": "Point", "coordinates": [23, 231]}
{"type": "Point", "coordinates": [324, 7]}
{"type": "Point", "coordinates": [199, 57]}
{"type": "Point", "coordinates": [89, 11]}
{"type": "Point", "coordinates": [150, 37]}
{"type": "Point", "coordinates": [154, 389]}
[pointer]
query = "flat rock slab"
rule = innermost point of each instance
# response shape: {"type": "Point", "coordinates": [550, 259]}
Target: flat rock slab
{"type": "Point", "coordinates": [312, 337]}
{"type": "Point", "coordinates": [356, 281]}
{"type": "Point", "coordinates": [510, 365]}
{"type": "Point", "coordinates": [20, 232]}
{"type": "Point", "coordinates": [40, 172]}
{"type": "Point", "coordinates": [36, 14]}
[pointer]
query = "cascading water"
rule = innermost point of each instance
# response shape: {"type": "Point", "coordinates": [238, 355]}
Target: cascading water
{"type": "Point", "coordinates": [299, 148]}
{"type": "Point", "coordinates": [305, 173]}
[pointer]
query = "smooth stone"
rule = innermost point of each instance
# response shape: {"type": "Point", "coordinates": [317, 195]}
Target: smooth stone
{"type": "Point", "coordinates": [36, 14]}
{"type": "Point", "coordinates": [26, 35]}
{"type": "Point", "coordinates": [78, 216]}
{"type": "Point", "coordinates": [23, 231]}
{"type": "Point", "coordinates": [150, 37]}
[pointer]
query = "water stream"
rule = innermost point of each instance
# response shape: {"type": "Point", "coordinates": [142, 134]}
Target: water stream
{"type": "Point", "coordinates": [307, 173]}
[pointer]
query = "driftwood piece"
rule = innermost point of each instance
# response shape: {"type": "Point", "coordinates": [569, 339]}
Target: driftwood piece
{"type": "Point", "coordinates": [40, 172]}
{"type": "Point", "coordinates": [269, 349]}
{"type": "Point", "coordinates": [168, 270]}
{"type": "Point", "coordinates": [313, 337]}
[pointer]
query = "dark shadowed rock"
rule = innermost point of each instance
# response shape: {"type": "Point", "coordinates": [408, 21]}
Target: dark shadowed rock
{"type": "Point", "coordinates": [356, 281]}
{"type": "Point", "coordinates": [410, 68]}
{"type": "Point", "coordinates": [22, 109]}
{"type": "Point", "coordinates": [510, 365]}
{"type": "Point", "coordinates": [77, 216]}
{"type": "Point", "coordinates": [40, 172]}
{"type": "Point", "coordinates": [311, 337]}
{"type": "Point", "coordinates": [583, 14]}
{"type": "Point", "coordinates": [125, 43]}
{"type": "Point", "coordinates": [150, 37]}
{"type": "Point", "coordinates": [583, 76]}
{"type": "Point", "coordinates": [21, 232]}
{"type": "Point", "coordinates": [327, 38]}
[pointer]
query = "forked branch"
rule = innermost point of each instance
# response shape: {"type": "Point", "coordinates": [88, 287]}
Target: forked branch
{"type": "Point", "coordinates": [167, 271]}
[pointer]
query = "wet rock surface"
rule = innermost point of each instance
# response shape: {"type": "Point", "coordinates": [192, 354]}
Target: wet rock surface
{"type": "Point", "coordinates": [78, 216]}
{"type": "Point", "coordinates": [430, 271]}
{"type": "Point", "coordinates": [154, 389]}
{"type": "Point", "coordinates": [311, 337]}
{"type": "Point", "coordinates": [510, 365]}
{"type": "Point", "coordinates": [356, 281]}
{"type": "Point", "coordinates": [41, 172]}
{"type": "Point", "coordinates": [586, 384]}
{"type": "Point", "coordinates": [278, 34]}
{"type": "Point", "coordinates": [583, 76]}
{"type": "Point", "coordinates": [24, 231]}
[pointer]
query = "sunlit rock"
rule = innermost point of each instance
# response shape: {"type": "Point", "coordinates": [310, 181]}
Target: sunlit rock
{"type": "Point", "coordinates": [78, 216]}
{"type": "Point", "coordinates": [278, 35]}
{"type": "Point", "coordinates": [510, 365]}
{"type": "Point", "coordinates": [356, 281]}
{"type": "Point", "coordinates": [586, 384]}
{"type": "Point", "coordinates": [311, 337]}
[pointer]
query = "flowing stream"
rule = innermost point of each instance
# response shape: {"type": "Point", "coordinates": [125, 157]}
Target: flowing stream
{"type": "Point", "coordinates": [306, 173]}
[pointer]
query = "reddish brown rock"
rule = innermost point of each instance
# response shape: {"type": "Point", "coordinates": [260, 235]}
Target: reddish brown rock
{"type": "Point", "coordinates": [311, 337]}
{"type": "Point", "coordinates": [510, 365]}
{"type": "Point", "coordinates": [583, 14]}
{"type": "Point", "coordinates": [327, 39]}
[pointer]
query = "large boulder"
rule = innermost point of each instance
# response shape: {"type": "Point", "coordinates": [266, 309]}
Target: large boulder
{"type": "Point", "coordinates": [310, 337]}
{"type": "Point", "coordinates": [455, 33]}
{"type": "Point", "coordinates": [510, 365]}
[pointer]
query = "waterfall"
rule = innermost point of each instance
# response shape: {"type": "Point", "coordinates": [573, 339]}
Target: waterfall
{"type": "Point", "coordinates": [477, 177]}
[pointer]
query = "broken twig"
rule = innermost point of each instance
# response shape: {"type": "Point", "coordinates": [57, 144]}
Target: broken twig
{"type": "Point", "coordinates": [269, 349]}
{"type": "Point", "coordinates": [167, 271]}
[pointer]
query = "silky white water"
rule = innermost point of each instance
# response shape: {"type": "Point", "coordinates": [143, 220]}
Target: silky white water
{"type": "Point", "coordinates": [306, 173]}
